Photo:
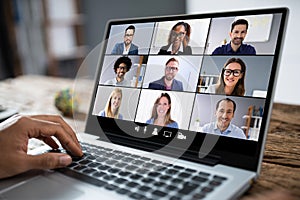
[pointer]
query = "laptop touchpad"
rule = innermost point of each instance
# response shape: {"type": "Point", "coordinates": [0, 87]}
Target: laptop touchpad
{"type": "Point", "coordinates": [42, 187]}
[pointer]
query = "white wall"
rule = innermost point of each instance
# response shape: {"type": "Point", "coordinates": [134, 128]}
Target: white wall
{"type": "Point", "coordinates": [287, 90]}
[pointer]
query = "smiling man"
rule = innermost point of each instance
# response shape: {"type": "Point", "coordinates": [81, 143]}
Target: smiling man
{"type": "Point", "coordinates": [121, 67]}
{"type": "Point", "coordinates": [237, 35]}
{"type": "Point", "coordinates": [225, 109]}
{"type": "Point", "coordinates": [127, 47]}
{"type": "Point", "coordinates": [168, 81]}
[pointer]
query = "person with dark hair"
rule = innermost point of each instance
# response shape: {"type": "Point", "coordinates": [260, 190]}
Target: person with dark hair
{"type": "Point", "coordinates": [231, 80]}
{"type": "Point", "coordinates": [126, 47]}
{"type": "Point", "coordinates": [225, 109]}
{"type": "Point", "coordinates": [121, 67]}
{"type": "Point", "coordinates": [178, 41]}
{"type": "Point", "coordinates": [113, 104]}
{"type": "Point", "coordinates": [237, 35]}
{"type": "Point", "coordinates": [161, 112]}
{"type": "Point", "coordinates": [168, 81]}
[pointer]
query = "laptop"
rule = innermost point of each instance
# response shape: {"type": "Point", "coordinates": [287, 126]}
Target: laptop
{"type": "Point", "coordinates": [155, 127]}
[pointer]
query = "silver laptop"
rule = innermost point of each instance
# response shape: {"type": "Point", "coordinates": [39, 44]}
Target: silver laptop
{"type": "Point", "coordinates": [163, 122]}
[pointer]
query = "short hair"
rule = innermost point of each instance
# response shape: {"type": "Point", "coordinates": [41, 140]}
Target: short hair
{"type": "Point", "coordinates": [239, 22]}
{"type": "Point", "coordinates": [228, 100]}
{"type": "Point", "coordinates": [130, 27]}
{"type": "Point", "coordinates": [124, 59]}
{"type": "Point", "coordinates": [172, 60]}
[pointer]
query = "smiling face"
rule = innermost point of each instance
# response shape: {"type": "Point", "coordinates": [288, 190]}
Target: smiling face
{"type": "Point", "coordinates": [224, 114]}
{"type": "Point", "coordinates": [171, 70]}
{"type": "Point", "coordinates": [121, 71]}
{"type": "Point", "coordinates": [238, 34]}
{"type": "Point", "coordinates": [115, 101]}
{"type": "Point", "coordinates": [178, 35]}
{"type": "Point", "coordinates": [162, 107]}
{"type": "Point", "coordinates": [128, 37]}
{"type": "Point", "coordinates": [234, 69]}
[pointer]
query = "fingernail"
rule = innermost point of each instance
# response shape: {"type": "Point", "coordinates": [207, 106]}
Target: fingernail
{"type": "Point", "coordinates": [65, 160]}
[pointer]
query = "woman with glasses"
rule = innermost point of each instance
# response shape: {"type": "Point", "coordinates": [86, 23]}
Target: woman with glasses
{"type": "Point", "coordinates": [231, 80]}
{"type": "Point", "coordinates": [178, 40]}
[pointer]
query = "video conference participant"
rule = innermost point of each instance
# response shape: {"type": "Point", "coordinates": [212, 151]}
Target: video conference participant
{"type": "Point", "coordinates": [231, 80]}
{"type": "Point", "coordinates": [121, 67]}
{"type": "Point", "coordinates": [225, 109]}
{"type": "Point", "coordinates": [178, 40]}
{"type": "Point", "coordinates": [127, 47]}
{"type": "Point", "coordinates": [168, 81]}
{"type": "Point", "coordinates": [113, 105]}
{"type": "Point", "coordinates": [237, 35]}
{"type": "Point", "coordinates": [161, 112]}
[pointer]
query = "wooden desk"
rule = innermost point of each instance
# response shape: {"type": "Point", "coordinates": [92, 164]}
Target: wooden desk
{"type": "Point", "coordinates": [281, 163]}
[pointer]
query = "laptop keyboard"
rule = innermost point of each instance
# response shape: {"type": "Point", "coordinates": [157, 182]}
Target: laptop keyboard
{"type": "Point", "coordinates": [140, 177]}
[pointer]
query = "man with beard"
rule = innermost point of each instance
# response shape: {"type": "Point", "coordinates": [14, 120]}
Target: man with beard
{"type": "Point", "coordinates": [121, 67]}
{"type": "Point", "coordinates": [126, 47]}
{"type": "Point", "coordinates": [225, 109]}
{"type": "Point", "coordinates": [237, 35]}
{"type": "Point", "coordinates": [168, 81]}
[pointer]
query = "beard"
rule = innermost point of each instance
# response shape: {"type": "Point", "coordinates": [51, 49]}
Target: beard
{"type": "Point", "coordinates": [127, 42]}
{"type": "Point", "coordinates": [169, 77]}
{"type": "Point", "coordinates": [237, 41]}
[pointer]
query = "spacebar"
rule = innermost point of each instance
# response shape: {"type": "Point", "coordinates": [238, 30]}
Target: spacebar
{"type": "Point", "coordinates": [82, 177]}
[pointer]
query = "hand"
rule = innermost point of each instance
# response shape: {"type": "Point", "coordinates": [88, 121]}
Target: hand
{"type": "Point", "coordinates": [14, 143]}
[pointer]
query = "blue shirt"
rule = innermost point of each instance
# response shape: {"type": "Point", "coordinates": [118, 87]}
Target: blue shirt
{"type": "Point", "coordinates": [102, 114]}
{"type": "Point", "coordinates": [244, 49]}
{"type": "Point", "coordinates": [119, 48]}
{"type": "Point", "coordinates": [231, 131]}
{"type": "Point", "coordinates": [171, 125]}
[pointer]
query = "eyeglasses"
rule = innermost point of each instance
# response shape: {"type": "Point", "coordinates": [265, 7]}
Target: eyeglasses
{"type": "Point", "coordinates": [180, 34]}
{"type": "Point", "coordinates": [128, 35]}
{"type": "Point", "coordinates": [173, 69]}
{"type": "Point", "coordinates": [122, 67]}
{"type": "Point", "coordinates": [235, 72]}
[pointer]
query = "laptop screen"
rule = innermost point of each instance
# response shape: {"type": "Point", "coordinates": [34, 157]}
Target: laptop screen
{"type": "Point", "coordinates": [196, 85]}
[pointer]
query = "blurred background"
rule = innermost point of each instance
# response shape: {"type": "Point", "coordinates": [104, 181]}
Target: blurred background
{"type": "Point", "coordinates": [52, 37]}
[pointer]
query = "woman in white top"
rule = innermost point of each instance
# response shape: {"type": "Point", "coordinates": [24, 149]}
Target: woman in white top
{"type": "Point", "coordinates": [231, 80]}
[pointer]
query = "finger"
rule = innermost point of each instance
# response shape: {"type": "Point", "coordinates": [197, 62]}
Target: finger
{"type": "Point", "coordinates": [59, 119]}
{"type": "Point", "coordinates": [48, 161]}
{"type": "Point", "coordinates": [51, 142]}
{"type": "Point", "coordinates": [46, 129]}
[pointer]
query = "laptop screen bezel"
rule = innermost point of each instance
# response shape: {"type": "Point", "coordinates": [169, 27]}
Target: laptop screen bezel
{"type": "Point", "coordinates": [234, 152]}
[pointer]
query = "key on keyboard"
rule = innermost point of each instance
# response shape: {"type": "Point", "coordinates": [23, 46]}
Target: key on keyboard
{"type": "Point", "coordinates": [140, 177]}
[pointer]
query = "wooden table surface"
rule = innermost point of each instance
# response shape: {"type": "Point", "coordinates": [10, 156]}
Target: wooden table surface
{"type": "Point", "coordinates": [281, 164]}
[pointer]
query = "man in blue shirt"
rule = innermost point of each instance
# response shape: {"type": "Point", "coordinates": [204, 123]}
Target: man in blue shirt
{"type": "Point", "coordinates": [126, 47]}
{"type": "Point", "coordinates": [237, 35]}
{"type": "Point", "coordinates": [168, 81]}
{"type": "Point", "coordinates": [225, 109]}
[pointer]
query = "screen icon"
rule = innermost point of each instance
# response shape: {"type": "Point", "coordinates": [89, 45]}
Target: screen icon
{"type": "Point", "coordinates": [155, 132]}
{"type": "Point", "coordinates": [180, 136]}
{"type": "Point", "coordinates": [137, 128]}
{"type": "Point", "coordinates": [167, 134]}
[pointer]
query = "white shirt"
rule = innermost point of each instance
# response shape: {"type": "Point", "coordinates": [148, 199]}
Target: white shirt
{"type": "Point", "coordinates": [126, 51]}
{"type": "Point", "coordinates": [116, 83]}
{"type": "Point", "coordinates": [180, 48]}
